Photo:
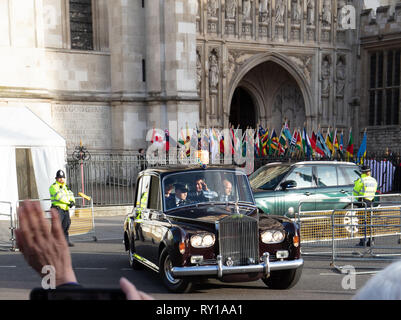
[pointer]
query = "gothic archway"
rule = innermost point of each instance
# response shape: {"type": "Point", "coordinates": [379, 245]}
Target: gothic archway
{"type": "Point", "coordinates": [279, 88]}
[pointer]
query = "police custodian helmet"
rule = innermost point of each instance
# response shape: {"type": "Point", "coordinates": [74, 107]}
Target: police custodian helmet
{"type": "Point", "coordinates": [60, 174]}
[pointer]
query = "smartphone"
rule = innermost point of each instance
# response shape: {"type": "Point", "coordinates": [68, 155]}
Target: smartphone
{"type": "Point", "coordinates": [77, 294]}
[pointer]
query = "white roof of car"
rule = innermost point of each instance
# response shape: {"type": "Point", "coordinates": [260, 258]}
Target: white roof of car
{"type": "Point", "coordinates": [335, 162]}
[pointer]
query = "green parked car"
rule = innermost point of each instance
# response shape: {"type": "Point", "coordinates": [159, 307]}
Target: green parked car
{"type": "Point", "coordinates": [280, 187]}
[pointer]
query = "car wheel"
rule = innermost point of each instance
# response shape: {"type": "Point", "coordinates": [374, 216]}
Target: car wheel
{"type": "Point", "coordinates": [283, 279]}
{"type": "Point", "coordinates": [171, 283]}
{"type": "Point", "coordinates": [134, 264]}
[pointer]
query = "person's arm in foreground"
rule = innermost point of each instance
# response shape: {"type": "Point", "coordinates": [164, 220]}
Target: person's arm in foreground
{"type": "Point", "coordinates": [43, 246]}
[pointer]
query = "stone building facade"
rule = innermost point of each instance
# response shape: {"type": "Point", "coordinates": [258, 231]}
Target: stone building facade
{"type": "Point", "coordinates": [282, 59]}
{"type": "Point", "coordinates": [379, 111]}
{"type": "Point", "coordinates": [107, 71]}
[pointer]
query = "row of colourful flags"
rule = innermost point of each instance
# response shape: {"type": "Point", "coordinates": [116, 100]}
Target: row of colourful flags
{"type": "Point", "coordinates": [299, 143]}
{"type": "Point", "coordinates": [267, 143]}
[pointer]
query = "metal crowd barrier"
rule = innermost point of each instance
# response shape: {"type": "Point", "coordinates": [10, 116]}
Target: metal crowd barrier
{"type": "Point", "coordinates": [353, 234]}
{"type": "Point", "coordinates": [7, 226]}
{"type": "Point", "coordinates": [82, 218]}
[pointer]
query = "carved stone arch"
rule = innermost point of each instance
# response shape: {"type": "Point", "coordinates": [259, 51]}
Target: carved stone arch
{"type": "Point", "coordinates": [257, 97]}
{"type": "Point", "coordinates": [286, 64]}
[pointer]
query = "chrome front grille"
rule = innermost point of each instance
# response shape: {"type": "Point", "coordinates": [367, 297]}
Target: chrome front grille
{"type": "Point", "coordinates": [239, 240]}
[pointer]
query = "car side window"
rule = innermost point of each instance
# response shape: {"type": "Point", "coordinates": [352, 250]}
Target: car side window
{"type": "Point", "coordinates": [154, 194]}
{"type": "Point", "coordinates": [302, 176]}
{"type": "Point", "coordinates": [143, 193]}
{"type": "Point", "coordinates": [352, 173]}
{"type": "Point", "coordinates": [326, 176]}
{"type": "Point", "coordinates": [138, 193]}
{"type": "Point", "coordinates": [343, 178]}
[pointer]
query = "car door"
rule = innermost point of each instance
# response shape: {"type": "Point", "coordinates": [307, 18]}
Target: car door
{"type": "Point", "coordinates": [156, 221]}
{"type": "Point", "coordinates": [327, 192]}
{"type": "Point", "coordinates": [289, 200]}
{"type": "Point", "coordinates": [142, 226]}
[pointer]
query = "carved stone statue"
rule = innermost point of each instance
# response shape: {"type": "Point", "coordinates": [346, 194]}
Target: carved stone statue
{"type": "Point", "coordinates": [325, 77]}
{"type": "Point", "coordinates": [310, 19]}
{"type": "Point", "coordinates": [231, 8]}
{"type": "Point", "coordinates": [212, 6]}
{"type": "Point", "coordinates": [264, 11]}
{"type": "Point", "coordinates": [340, 14]}
{"type": "Point", "coordinates": [246, 9]}
{"type": "Point", "coordinates": [326, 13]}
{"type": "Point", "coordinates": [296, 11]}
{"type": "Point", "coordinates": [198, 70]}
{"type": "Point", "coordinates": [341, 77]}
{"type": "Point", "coordinates": [214, 71]}
{"type": "Point", "coordinates": [280, 11]}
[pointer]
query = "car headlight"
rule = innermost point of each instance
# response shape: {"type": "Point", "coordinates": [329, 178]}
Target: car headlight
{"type": "Point", "coordinates": [273, 236]}
{"type": "Point", "coordinates": [202, 240]}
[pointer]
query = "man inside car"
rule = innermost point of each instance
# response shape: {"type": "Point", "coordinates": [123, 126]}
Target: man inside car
{"type": "Point", "coordinates": [227, 191]}
{"type": "Point", "coordinates": [200, 189]}
{"type": "Point", "coordinates": [180, 198]}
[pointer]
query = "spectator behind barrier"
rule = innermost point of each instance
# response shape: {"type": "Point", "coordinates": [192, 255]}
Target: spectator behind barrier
{"type": "Point", "coordinates": [43, 246]}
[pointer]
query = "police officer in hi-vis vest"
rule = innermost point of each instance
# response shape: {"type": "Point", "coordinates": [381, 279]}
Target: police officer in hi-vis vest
{"type": "Point", "coordinates": [62, 199]}
{"type": "Point", "coordinates": [364, 190]}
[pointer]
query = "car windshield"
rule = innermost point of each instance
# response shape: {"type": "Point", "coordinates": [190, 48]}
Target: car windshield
{"type": "Point", "coordinates": [203, 186]}
{"type": "Point", "coordinates": [268, 177]}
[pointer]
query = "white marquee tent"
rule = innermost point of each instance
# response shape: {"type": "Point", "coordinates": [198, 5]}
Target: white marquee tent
{"type": "Point", "coordinates": [21, 128]}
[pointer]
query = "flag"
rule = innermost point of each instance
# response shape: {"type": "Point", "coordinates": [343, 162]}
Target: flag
{"type": "Point", "coordinates": [322, 145]}
{"type": "Point", "coordinates": [237, 142]}
{"type": "Point", "coordinates": [341, 146]}
{"type": "Point", "coordinates": [294, 139]}
{"type": "Point", "coordinates": [361, 155]}
{"type": "Point", "coordinates": [222, 144]}
{"type": "Point", "coordinates": [264, 137]}
{"type": "Point", "coordinates": [274, 143]}
{"type": "Point", "coordinates": [188, 143]}
{"type": "Point", "coordinates": [315, 148]}
{"type": "Point", "coordinates": [181, 139]}
{"type": "Point", "coordinates": [167, 140]}
{"type": "Point", "coordinates": [199, 138]}
{"type": "Point", "coordinates": [335, 143]}
{"type": "Point", "coordinates": [329, 142]}
{"type": "Point", "coordinates": [313, 141]}
{"type": "Point", "coordinates": [282, 143]}
{"type": "Point", "coordinates": [233, 140]}
{"type": "Point", "coordinates": [299, 141]}
{"type": "Point", "coordinates": [287, 133]}
{"type": "Point", "coordinates": [157, 139]}
{"type": "Point", "coordinates": [306, 143]}
{"type": "Point", "coordinates": [213, 144]}
{"type": "Point", "coordinates": [350, 146]}
{"type": "Point", "coordinates": [257, 144]}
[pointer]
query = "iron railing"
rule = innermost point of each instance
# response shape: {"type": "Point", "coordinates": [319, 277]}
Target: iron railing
{"type": "Point", "coordinates": [110, 178]}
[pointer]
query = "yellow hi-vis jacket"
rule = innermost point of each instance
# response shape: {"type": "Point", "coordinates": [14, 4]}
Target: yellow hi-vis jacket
{"type": "Point", "coordinates": [61, 196]}
{"type": "Point", "coordinates": [143, 204]}
{"type": "Point", "coordinates": [365, 187]}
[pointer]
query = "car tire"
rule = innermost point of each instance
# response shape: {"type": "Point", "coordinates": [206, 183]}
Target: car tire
{"type": "Point", "coordinates": [172, 284]}
{"type": "Point", "coordinates": [134, 264]}
{"type": "Point", "coordinates": [283, 279]}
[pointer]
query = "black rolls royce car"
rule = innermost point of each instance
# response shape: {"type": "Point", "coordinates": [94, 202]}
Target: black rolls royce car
{"type": "Point", "coordinates": [194, 222]}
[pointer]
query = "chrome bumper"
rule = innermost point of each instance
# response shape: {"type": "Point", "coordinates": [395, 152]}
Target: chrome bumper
{"type": "Point", "coordinates": [220, 270]}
